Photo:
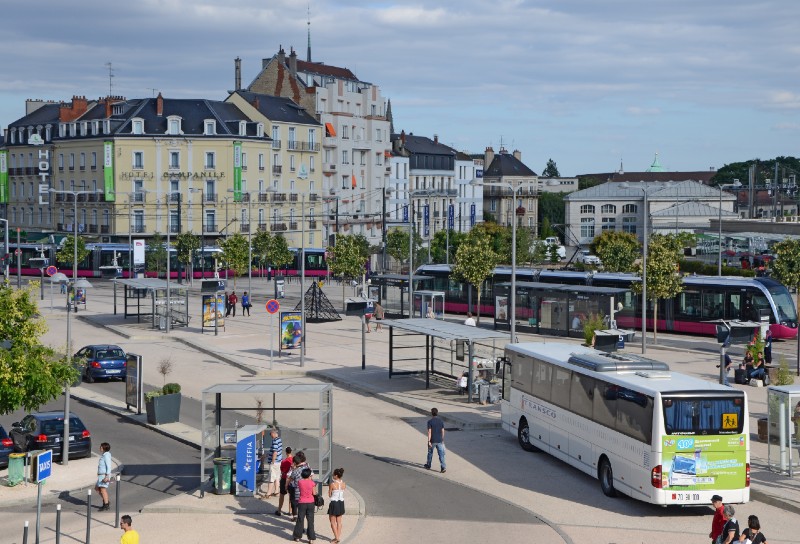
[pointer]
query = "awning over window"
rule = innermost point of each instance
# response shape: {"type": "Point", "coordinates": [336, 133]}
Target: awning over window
{"type": "Point", "coordinates": [354, 181]}
{"type": "Point", "coordinates": [387, 154]}
{"type": "Point", "coordinates": [330, 130]}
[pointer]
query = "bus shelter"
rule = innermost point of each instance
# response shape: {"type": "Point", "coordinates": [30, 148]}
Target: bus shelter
{"type": "Point", "coordinates": [391, 290]}
{"type": "Point", "coordinates": [304, 409]}
{"type": "Point", "coordinates": [146, 298]}
{"type": "Point", "coordinates": [429, 304]}
{"type": "Point", "coordinates": [449, 349]}
{"type": "Point", "coordinates": [555, 309]}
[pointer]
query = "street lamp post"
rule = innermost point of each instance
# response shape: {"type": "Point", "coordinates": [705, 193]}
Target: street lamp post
{"type": "Point", "coordinates": [249, 240]}
{"type": "Point", "coordinates": [719, 236]}
{"type": "Point", "coordinates": [646, 216]}
{"type": "Point", "coordinates": [6, 242]}
{"type": "Point", "coordinates": [411, 195]}
{"type": "Point", "coordinates": [202, 230]}
{"type": "Point", "coordinates": [514, 190]}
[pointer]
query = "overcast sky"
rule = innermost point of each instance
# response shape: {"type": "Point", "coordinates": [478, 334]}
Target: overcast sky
{"type": "Point", "coordinates": [585, 82]}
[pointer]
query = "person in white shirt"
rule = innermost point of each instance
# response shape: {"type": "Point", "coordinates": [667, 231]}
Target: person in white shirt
{"type": "Point", "coordinates": [470, 321]}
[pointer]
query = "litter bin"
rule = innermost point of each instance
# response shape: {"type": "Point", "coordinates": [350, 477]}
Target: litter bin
{"type": "Point", "coordinates": [16, 469]}
{"type": "Point", "coordinates": [483, 393]}
{"type": "Point", "coordinates": [223, 467]}
{"type": "Point", "coordinates": [494, 393]}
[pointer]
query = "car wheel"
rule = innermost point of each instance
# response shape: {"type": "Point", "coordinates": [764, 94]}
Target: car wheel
{"type": "Point", "coordinates": [606, 476]}
{"type": "Point", "coordinates": [88, 378]}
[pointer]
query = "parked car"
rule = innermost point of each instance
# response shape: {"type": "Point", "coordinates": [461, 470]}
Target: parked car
{"type": "Point", "coordinates": [586, 257]}
{"type": "Point", "coordinates": [103, 361]}
{"type": "Point", "coordinates": [45, 430]}
{"type": "Point", "coordinates": [6, 447]}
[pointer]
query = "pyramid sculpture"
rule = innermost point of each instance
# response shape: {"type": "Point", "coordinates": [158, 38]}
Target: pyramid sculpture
{"type": "Point", "coordinates": [318, 308]}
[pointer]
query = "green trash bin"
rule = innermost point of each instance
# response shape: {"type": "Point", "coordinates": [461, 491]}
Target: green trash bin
{"type": "Point", "coordinates": [223, 469]}
{"type": "Point", "coordinates": [16, 468]}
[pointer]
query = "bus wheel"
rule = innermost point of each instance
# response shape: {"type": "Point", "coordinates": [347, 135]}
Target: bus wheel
{"type": "Point", "coordinates": [606, 477]}
{"type": "Point", "coordinates": [524, 436]}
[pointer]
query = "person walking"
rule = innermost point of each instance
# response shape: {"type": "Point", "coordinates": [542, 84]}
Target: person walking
{"type": "Point", "coordinates": [470, 321]}
{"type": "Point", "coordinates": [753, 532]}
{"type": "Point", "coordinates": [718, 522]}
{"type": "Point", "coordinates": [274, 458]}
{"type": "Point", "coordinates": [436, 439]}
{"type": "Point", "coordinates": [294, 477]}
{"type": "Point", "coordinates": [730, 531]}
{"type": "Point", "coordinates": [728, 364]}
{"type": "Point", "coordinates": [768, 346]}
{"type": "Point", "coordinates": [336, 505]}
{"type": "Point", "coordinates": [104, 474]}
{"type": "Point", "coordinates": [286, 466]}
{"type": "Point", "coordinates": [378, 315]}
{"type": "Point", "coordinates": [227, 304]}
{"type": "Point", "coordinates": [246, 304]}
{"type": "Point", "coordinates": [129, 534]}
{"type": "Point", "coordinates": [306, 489]}
{"type": "Point", "coordinates": [232, 300]}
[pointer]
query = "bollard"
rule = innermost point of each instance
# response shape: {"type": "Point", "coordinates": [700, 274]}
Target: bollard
{"type": "Point", "coordinates": [89, 516]}
{"type": "Point", "coordinates": [116, 503]}
{"type": "Point", "coordinates": [58, 524]}
{"type": "Point", "coordinates": [25, 533]}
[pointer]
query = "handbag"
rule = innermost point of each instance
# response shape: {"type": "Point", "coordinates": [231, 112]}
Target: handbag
{"type": "Point", "coordinates": [766, 378]}
{"type": "Point", "coordinates": [319, 502]}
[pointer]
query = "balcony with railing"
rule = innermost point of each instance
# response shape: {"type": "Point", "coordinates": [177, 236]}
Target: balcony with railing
{"type": "Point", "coordinates": [263, 226]}
{"type": "Point", "coordinates": [277, 168]}
{"type": "Point", "coordinates": [138, 196]}
{"type": "Point", "coordinates": [312, 224]}
{"type": "Point", "coordinates": [294, 197]}
{"type": "Point", "coordinates": [313, 197]}
{"type": "Point", "coordinates": [279, 197]}
{"type": "Point", "coordinates": [263, 197]}
{"type": "Point", "coordinates": [209, 197]}
{"type": "Point", "coordinates": [244, 227]}
{"type": "Point", "coordinates": [293, 225]}
{"type": "Point", "coordinates": [139, 228]}
{"type": "Point", "coordinates": [174, 197]}
{"type": "Point", "coordinates": [92, 229]}
{"type": "Point", "coordinates": [279, 226]}
{"type": "Point", "coordinates": [329, 141]}
{"type": "Point", "coordinates": [210, 227]}
{"type": "Point", "coordinates": [297, 145]}
{"type": "Point", "coordinates": [276, 144]}
{"type": "Point", "coordinates": [105, 229]}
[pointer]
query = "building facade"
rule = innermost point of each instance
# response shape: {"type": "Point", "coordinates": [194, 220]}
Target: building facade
{"type": "Point", "coordinates": [503, 204]}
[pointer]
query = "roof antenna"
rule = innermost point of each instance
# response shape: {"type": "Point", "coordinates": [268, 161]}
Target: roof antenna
{"type": "Point", "coordinates": [154, 91]}
{"type": "Point", "coordinates": [110, 78]}
{"type": "Point", "coordinates": [308, 50]}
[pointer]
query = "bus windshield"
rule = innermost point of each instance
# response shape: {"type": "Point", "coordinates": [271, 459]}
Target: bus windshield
{"type": "Point", "coordinates": [703, 416]}
{"type": "Point", "coordinates": [783, 303]}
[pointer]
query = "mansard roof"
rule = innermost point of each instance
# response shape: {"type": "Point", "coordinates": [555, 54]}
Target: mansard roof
{"type": "Point", "coordinates": [506, 164]}
{"type": "Point", "coordinates": [276, 108]}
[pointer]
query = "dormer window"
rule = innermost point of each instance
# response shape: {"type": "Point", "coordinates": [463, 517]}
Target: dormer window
{"type": "Point", "coordinates": [210, 127]}
{"type": "Point", "coordinates": [137, 126]}
{"type": "Point", "coordinates": [260, 130]}
{"type": "Point", "coordinates": [173, 125]}
{"type": "Point", "coordinates": [84, 126]}
{"type": "Point", "coordinates": [13, 136]}
{"type": "Point", "coordinates": [116, 109]}
{"type": "Point", "coordinates": [73, 129]}
{"type": "Point", "coordinates": [242, 128]}
{"type": "Point", "coordinates": [107, 126]}
{"type": "Point", "coordinates": [48, 133]}
{"type": "Point", "coordinates": [95, 128]}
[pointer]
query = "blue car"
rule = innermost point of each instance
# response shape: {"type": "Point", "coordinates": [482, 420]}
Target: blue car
{"type": "Point", "coordinates": [6, 447]}
{"type": "Point", "coordinates": [45, 431]}
{"type": "Point", "coordinates": [103, 361]}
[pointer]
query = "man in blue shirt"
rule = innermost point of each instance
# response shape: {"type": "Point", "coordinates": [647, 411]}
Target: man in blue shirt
{"type": "Point", "coordinates": [274, 458]}
{"type": "Point", "coordinates": [436, 439]}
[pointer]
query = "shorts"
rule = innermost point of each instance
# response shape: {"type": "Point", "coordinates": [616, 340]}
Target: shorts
{"type": "Point", "coordinates": [274, 472]}
{"type": "Point", "coordinates": [100, 482]}
{"type": "Point", "coordinates": [283, 485]}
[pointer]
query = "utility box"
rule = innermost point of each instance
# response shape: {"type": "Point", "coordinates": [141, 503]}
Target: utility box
{"type": "Point", "coordinates": [280, 287]}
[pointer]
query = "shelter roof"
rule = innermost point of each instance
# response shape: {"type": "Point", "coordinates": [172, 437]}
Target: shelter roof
{"type": "Point", "coordinates": [445, 330]}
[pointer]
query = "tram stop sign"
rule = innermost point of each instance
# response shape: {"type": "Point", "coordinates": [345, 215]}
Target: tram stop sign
{"type": "Point", "coordinates": [273, 306]}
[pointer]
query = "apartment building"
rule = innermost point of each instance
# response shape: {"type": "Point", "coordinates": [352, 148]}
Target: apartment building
{"type": "Point", "coordinates": [518, 199]}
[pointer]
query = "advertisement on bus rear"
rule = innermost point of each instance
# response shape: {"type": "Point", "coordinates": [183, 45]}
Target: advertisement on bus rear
{"type": "Point", "coordinates": [703, 462]}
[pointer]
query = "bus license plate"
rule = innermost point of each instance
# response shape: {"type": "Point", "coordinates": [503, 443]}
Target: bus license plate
{"type": "Point", "coordinates": [685, 497]}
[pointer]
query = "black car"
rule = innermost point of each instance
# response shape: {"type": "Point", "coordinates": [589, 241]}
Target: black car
{"type": "Point", "coordinates": [6, 447]}
{"type": "Point", "coordinates": [103, 361]}
{"type": "Point", "coordinates": [45, 431]}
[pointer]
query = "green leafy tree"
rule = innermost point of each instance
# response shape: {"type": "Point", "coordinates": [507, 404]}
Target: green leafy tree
{"type": "Point", "coordinates": [236, 254]}
{"type": "Point", "coordinates": [551, 209]}
{"type": "Point", "coordinates": [764, 170]}
{"type": "Point", "coordinates": [67, 252]}
{"type": "Point", "coordinates": [186, 243]}
{"type": "Point", "coordinates": [279, 254]}
{"type": "Point", "coordinates": [475, 261]}
{"type": "Point", "coordinates": [618, 250]}
{"type": "Point", "coordinates": [552, 251]}
{"type": "Point", "coordinates": [30, 373]}
{"type": "Point", "coordinates": [551, 170]}
{"type": "Point", "coordinates": [262, 240]}
{"type": "Point", "coordinates": [347, 258]}
{"type": "Point", "coordinates": [439, 245]}
{"type": "Point", "coordinates": [539, 252]}
{"type": "Point", "coordinates": [397, 244]}
{"type": "Point", "coordinates": [155, 257]}
{"type": "Point", "coordinates": [663, 279]}
{"type": "Point", "coordinates": [547, 229]}
{"type": "Point", "coordinates": [786, 267]}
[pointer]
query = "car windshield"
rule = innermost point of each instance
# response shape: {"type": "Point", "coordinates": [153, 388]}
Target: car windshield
{"type": "Point", "coordinates": [56, 426]}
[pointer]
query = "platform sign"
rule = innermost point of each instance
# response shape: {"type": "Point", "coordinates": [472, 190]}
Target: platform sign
{"type": "Point", "coordinates": [44, 465]}
{"type": "Point", "coordinates": [273, 306]}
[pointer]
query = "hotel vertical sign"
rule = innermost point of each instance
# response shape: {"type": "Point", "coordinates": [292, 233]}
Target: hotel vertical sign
{"type": "Point", "coordinates": [3, 177]}
{"type": "Point", "coordinates": [108, 171]}
{"type": "Point", "coordinates": [237, 171]}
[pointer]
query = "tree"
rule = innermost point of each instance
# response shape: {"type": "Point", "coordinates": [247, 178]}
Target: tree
{"type": "Point", "coordinates": [279, 253]}
{"type": "Point", "coordinates": [764, 170]}
{"type": "Point", "coordinates": [186, 243]}
{"type": "Point", "coordinates": [551, 209]}
{"type": "Point", "coordinates": [346, 258]}
{"type": "Point", "coordinates": [475, 261]}
{"type": "Point", "coordinates": [439, 245]}
{"type": "Point", "coordinates": [547, 229]}
{"type": "Point", "coordinates": [618, 250]}
{"type": "Point", "coordinates": [786, 267]}
{"type": "Point", "coordinates": [539, 252]}
{"type": "Point", "coordinates": [236, 254]}
{"type": "Point", "coordinates": [397, 244]}
{"type": "Point", "coordinates": [551, 170]}
{"type": "Point", "coordinates": [155, 256]}
{"type": "Point", "coordinates": [67, 251]}
{"type": "Point", "coordinates": [30, 373]}
{"type": "Point", "coordinates": [663, 279]}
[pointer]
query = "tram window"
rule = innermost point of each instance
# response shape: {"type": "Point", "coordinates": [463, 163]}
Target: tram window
{"type": "Point", "coordinates": [689, 303]}
{"type": "Point", "coordinates": [712, 304]}
{"type": "Point", "coordinates": [560, 389]}
{"type": "Point", "coordinates": [542, 374]}
{"type": "Point", "coordinates": [581, 393]}
{"type": "Point", "coordinates": [760, 302]}
{"type": "Point", "coordinates": [605, 403]}
{"type": "Point", "coordinates": [735, 306]}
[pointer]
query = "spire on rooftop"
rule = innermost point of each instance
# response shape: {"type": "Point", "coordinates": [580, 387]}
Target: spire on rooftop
{"type": "Point", "coordinates": [656, 166]}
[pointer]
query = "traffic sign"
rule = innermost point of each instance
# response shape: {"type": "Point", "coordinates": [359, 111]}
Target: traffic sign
{"type": "Point", "coordinates": [51, 270]}
{"type": "Point", "coordinates": [273, 306]}
{"type": "Point", "coordinates": [44, 465]}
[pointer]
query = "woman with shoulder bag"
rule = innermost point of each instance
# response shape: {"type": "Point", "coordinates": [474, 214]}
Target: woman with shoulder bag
{"type": "Point", "coordinates": [336, 506]}
{"type": "Point", "coordinates": [730, 532]}
{"type": "Point", "coordinates": [753, 534]}
{"type": "Point", "coordinates": [294, 478]}
{"type": "Point", "coordinates": [306, 503]}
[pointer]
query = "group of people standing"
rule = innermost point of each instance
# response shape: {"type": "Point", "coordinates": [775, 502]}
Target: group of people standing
{"type": "Point", "coordinates": [725, 527]}
{"type": "Point", "coordinates": [290, 474]}
{"type": "Point", "coordinates": [753, 367]}
{"type": "Point", "coordinates": [230, 304]}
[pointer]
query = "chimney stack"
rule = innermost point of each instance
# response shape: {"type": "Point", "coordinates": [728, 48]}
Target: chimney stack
{"type": "Point", "coordinates": [237, 86]}
{"type": "Point", "coordinates": [293, 63]}
{"type": "Point", "coordinates": [518, 155]}
{"type": "Point", "coordinates": [159, 105]}
{"type": "Point", "coordinates": [436, 138]}
{"type": "Point", "coordinates": [403, 137]}
{"type": "Point", "coordinates": [281, 55]}
{"type": "Point", "coordinates": [74, 110]}
{"type": "Point", "coordinates": [488, 157]}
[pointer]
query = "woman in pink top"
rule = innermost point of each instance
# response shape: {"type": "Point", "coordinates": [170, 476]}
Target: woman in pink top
{"type": "Point", "coordinates": [307, 488]}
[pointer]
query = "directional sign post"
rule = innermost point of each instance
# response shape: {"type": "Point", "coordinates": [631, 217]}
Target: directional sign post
{"type": "Point", "coordinates": [44, 469]}
{"type": "Point", "coordinates": [273, 307]}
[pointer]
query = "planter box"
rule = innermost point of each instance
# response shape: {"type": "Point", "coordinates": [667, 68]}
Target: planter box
{"type": "Point", "coordinates": [163, 409]}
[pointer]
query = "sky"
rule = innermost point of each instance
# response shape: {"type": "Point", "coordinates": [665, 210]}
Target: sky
{"type": "Point", "coordinates": [588, 83]}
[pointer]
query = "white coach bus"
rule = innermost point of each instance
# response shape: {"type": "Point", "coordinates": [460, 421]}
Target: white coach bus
{"type": "Point", "coordinates": [658, 436]}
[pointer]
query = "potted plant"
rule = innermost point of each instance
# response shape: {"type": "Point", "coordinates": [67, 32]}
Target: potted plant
{"type": "Point", "coordinates": [163, 405]}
